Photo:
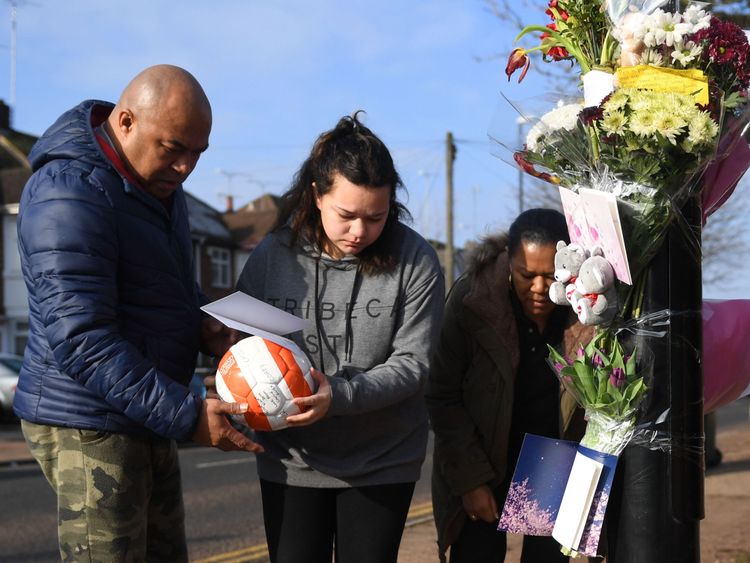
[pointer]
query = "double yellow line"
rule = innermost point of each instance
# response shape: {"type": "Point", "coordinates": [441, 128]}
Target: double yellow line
{"type": "Point", "coordinates": [253, 553]}
{"type": "Point", "coordinates": [417, 514]}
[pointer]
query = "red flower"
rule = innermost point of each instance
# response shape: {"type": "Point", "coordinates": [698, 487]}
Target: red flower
{"type": "Point", "coordinates": [726, 46]}
{"type": "Point", "coordinates": [556, 52]}
{"type": "Point", "coordinates": [517, 59]}
{"type": "Point", "coordinates": [592, 114]}
{"type": "Point", "coordinates": [562, 13]}
{"type": "Point", "coordinates": [527, 167]}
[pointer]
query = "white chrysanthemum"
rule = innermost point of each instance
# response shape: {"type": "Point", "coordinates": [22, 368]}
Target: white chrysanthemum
{"type": "Point", "coordinates": [682, 105]}
{"type": "Point", "coordinates": [696, 18]}
{"type": "Point", "coordinates": [618, 100]}
{"type": "Point", "coordinates": [535, 133]}
{"type": "Point", "coordinates": [651, 57]}
{"type": "Point", "coordinates": [642, 123]}
{"type": "Point", "coordinates": [669, 124]}
{"type": "Point", "coordinates": [614, 122]}
{"type": "Point", "coordinates": [563, 117]}
{"type": "Point", "coordinates": [686, 53]}
{"type": "Point", "coordinates": [702, 130]}
{"type": "Point", "coordinates": [643, 100]}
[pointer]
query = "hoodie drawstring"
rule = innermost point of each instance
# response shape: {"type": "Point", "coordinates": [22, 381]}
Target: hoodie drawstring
{"type": "Point", "coordinates": [348, 332]}
{"type": "Point", "coordinates": [317, 316]}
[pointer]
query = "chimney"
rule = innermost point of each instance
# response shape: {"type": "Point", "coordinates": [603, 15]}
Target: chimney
{"type": "Point", "coordinates": [4, 115]}
{"type": "Point", "coordinates": [230, 203]}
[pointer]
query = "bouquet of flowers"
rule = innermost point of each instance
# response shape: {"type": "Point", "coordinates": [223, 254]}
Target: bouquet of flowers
{"type": "Point", "coordinates": [665, 111]}
{"type": "Point", "coordinates": [605, 381]}
{"type": "Point", "coordinates": [665, 97]}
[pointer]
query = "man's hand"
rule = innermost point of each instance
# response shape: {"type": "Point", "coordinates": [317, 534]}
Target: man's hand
{"type": "Point", "coordinates": [480, 503]}
{"type": "Point", "coordinates": [317, 405]}
{"type": "Point", "coordinates": [214, 429]}
{"type": "Point", "coordinates": [217, 338]}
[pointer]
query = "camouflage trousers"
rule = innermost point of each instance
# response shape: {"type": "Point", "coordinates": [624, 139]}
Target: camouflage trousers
{"type": "Point", "coordinates": [119, 497]}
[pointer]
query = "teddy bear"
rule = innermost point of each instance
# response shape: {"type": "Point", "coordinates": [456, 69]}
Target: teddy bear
{"type": "Point", "coordinates": [597, 303]}
{"type": "Point", "coordinates": [568, 260]}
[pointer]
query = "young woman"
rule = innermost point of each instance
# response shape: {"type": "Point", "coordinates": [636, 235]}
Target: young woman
{"type": "Point", "coordinates": [343, 474]}
{"type": "Point", "coordinates": [490, 384]}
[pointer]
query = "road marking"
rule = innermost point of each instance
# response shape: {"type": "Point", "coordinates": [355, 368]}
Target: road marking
{"type": "Point", "coordinates": [253, 553]}
{"type": "Point", "coordinates": [208, 464]}
{"type": "Point", "coordinates": [418, 514]}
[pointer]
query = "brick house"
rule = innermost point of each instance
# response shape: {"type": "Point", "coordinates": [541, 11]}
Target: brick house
{"type": "Point", "coordinates": [249, 224]}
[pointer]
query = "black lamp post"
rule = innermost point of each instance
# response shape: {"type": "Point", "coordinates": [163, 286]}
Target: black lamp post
{"type": "Point", "coordinates": [657, 497]}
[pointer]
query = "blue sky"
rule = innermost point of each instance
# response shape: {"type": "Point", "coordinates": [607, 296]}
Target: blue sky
{"type": "Point", "coordinates": [279, 73]}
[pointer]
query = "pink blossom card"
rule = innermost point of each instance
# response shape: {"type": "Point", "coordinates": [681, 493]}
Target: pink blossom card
{"type": "Point", "coordinates": [575, 217]}
{"type": "Point", "coordinates": [605, 228]}
{"type": "Point", "coordinates": [560, 489]}
{"type": "Point", "coordinates": [593, 220]}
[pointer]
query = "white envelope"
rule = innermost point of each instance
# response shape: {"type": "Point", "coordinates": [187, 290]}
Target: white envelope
{"type": "Point", "coordinates": [253, 316]}
{"type": "Point", "coordinates": [576, 502]}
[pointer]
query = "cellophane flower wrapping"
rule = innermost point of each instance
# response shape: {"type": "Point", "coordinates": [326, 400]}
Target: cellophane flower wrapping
{"type": "Point", "coordinates": [608, 382]}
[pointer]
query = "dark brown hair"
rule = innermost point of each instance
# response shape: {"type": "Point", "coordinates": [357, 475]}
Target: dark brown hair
{"type": "Point", "coordinates": [355, 152]}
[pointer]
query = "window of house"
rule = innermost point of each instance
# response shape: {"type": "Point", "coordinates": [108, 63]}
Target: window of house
{"type": "Point", "coordinates": [221, 269]}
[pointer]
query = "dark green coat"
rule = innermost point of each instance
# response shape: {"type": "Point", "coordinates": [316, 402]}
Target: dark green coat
{"type": "Point", "coordinates": [470, 392]}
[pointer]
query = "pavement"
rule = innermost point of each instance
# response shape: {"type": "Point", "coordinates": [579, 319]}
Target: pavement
{"type": "Point", "coordinates": [724, 537]}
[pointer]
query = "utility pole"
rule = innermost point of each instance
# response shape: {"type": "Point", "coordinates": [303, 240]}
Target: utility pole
{"type": "Point", "coordinates": [450, 156]}
{"type": "Point", "coordinates": [13, 31]}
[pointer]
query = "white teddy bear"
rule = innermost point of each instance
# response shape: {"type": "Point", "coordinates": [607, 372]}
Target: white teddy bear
{"type": "Point", "coordinates": [568, 260]}
{"type": "Point", "coordinates": [597, 303]}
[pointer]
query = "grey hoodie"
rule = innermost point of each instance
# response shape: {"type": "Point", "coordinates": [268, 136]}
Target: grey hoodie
{"type": "Point", "coordinates": [378, 333]}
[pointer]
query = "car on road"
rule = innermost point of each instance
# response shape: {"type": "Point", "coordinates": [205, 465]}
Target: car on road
{"type": "Point", "coordinates": [10, 365]}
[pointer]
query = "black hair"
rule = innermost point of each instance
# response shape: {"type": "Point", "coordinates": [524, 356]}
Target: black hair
{"type": "Point", "coordinates": [539, 226]}
{"type": "Point", "coordinates": [355, 152]}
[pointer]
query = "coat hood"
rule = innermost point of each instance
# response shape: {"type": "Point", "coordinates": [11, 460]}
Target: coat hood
{"type": "Point", "coordinates": [71, 137]}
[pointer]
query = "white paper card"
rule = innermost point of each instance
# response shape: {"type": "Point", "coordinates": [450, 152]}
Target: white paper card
{"type": "Point", "coordinates": [576, 501]}
{"type": "Point", "coordinates": [253, 316]}
{"type": "Point", "coordinates": [594, 220]}
{"type": "Point", "coordinates": [603, 220]}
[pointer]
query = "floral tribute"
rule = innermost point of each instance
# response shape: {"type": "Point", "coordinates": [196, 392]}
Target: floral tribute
{"type": "Point", "coordinates": [606, 381]}
{"type": "Point", "coordinates": [663, 119]}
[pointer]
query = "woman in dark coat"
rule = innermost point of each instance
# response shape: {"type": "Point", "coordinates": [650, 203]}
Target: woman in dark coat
{"type": "Point", "coordinates": [490, 384]}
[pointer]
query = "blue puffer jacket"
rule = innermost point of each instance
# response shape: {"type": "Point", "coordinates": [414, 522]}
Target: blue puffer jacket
{"type": "Point", "coordinates": [114, 319]}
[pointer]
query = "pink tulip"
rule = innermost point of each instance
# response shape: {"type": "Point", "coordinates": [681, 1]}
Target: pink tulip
{"type": "Point", "coordinates": [617, 377]}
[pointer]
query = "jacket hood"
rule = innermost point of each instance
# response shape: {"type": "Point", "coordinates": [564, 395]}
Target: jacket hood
{"type": "Point", "coordinates": [72, 137]}
{"type": "Point", "coordinates": [489, 271]}
{"type": "Point", "coordinates": [487, 253]}
{"type": "Point", "coordinates": [312, 251]}
{"type": "Point", "coordinates": [488, 276]}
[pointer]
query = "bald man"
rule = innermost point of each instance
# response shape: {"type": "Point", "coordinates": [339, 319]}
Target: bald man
{"type": "Point", "coordinates": [114, 319]}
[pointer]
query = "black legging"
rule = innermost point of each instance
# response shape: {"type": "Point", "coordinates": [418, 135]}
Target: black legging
{"type": "Point", "coordinates": [364, 523]}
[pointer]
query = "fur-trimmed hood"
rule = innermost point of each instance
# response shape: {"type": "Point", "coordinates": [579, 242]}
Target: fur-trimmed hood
{"type": "Point", "coordinates": [488, 274]}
